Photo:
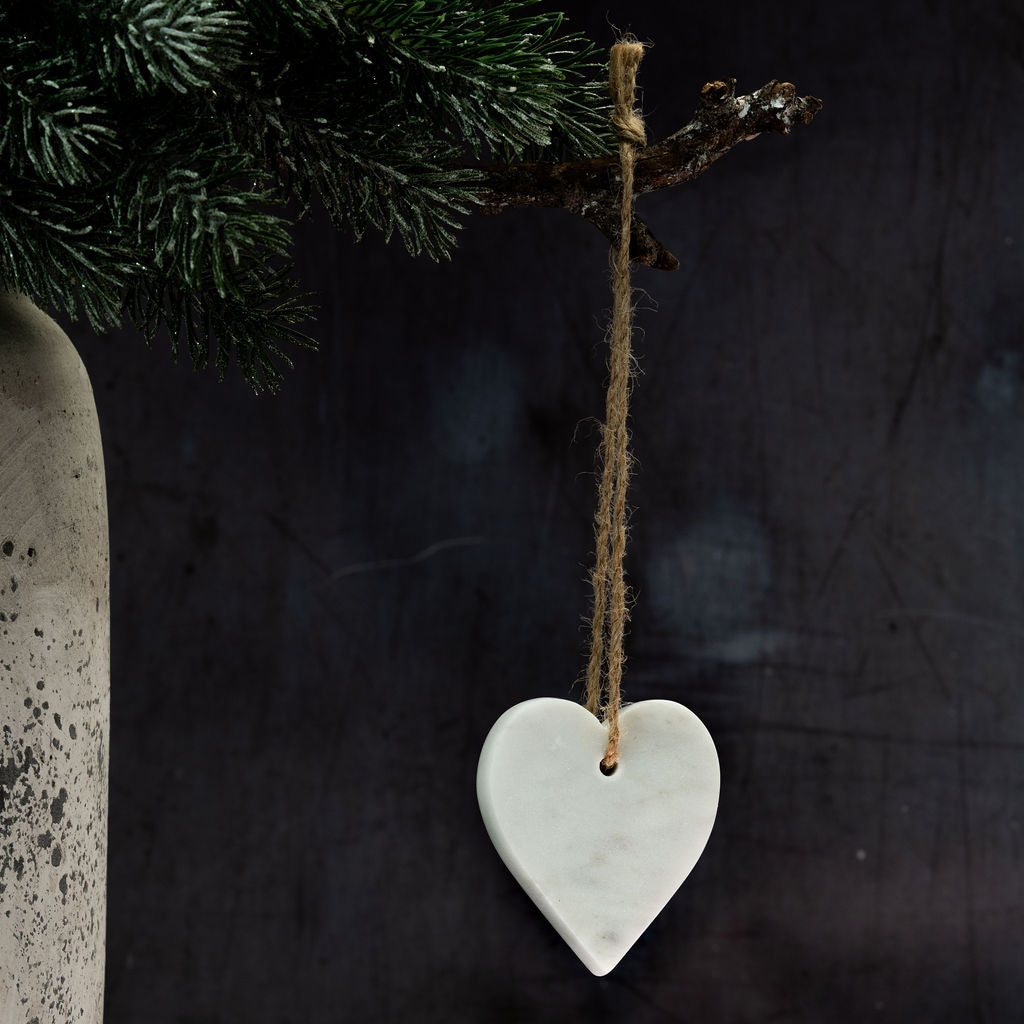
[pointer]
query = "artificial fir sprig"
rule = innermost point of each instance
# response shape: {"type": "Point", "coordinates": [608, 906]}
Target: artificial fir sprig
{"type": "Point", "coordinates": [55, 249]}
{"type": "Point", "coordinates": [149, 148]}
{"type": "Point", "coordinates": [51, 129]}
{"type": "Point", "coordinates": [247, 324]}
{"type": "Point", "coordinates": [181, 44]}
{"type": "Point", "coordinates": [476, 72]}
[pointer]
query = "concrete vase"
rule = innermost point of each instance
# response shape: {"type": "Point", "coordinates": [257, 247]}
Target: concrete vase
{"type": "Point", "coordinates": [54, 677]}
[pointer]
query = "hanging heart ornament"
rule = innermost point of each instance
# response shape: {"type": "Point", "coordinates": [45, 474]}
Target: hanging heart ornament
{"type": "Point", "coordinates": [599, 854]}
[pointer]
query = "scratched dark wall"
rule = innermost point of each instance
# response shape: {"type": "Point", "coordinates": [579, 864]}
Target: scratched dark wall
{"type": "Point", "coordinates": [322, 601]}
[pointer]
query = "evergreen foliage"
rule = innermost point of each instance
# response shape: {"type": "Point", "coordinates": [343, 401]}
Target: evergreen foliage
{"type": "Point", "coordinates": [154, 153]}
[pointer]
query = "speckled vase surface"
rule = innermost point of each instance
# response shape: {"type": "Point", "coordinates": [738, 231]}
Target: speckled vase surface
{"type": "Point", "coordinates": [54, 677]}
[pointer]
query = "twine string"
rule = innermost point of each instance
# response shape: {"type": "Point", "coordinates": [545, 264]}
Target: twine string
{"type": "Point", "coordinates": [604, 667]}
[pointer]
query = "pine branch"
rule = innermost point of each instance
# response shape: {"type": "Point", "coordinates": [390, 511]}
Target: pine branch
{"type": "Point", "coordinates": [483, 74]}
{"type": "Point", "coordinates": [245, 325]}
{"type": "Point", "coordinates": [402, 90]}
{"type": "Point", "coordinates": [55, 248]}
{"type": "Point", "coordinates": [589, 187]}
{"type": "Point", "coordinates": [149, 149]}
{"type": "Point", "coordinates": [180, 44]}
{"type": "Point", "coordinates": [392, 174]}
{"type": "Point", "coordinates": [192, 218]}
{"type": "Point", "coordinates": [49, 129]}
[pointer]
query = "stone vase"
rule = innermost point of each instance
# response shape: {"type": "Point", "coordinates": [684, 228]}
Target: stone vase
{"type": "Point", "coordinates": [54, 677]}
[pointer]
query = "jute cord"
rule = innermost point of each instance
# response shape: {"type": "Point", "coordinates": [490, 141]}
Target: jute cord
{"type": "Point", "coordinates": [604, 667]}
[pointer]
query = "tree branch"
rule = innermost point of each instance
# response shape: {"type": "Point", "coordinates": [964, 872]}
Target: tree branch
{"type": "Point", "coordinates": [589, 187]}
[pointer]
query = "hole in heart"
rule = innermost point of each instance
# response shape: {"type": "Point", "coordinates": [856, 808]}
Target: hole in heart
{"type": "Point", "coordinates": [607, 769]}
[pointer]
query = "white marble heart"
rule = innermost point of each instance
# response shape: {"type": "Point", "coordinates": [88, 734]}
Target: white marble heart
{"type": "Point", "coordinates": [599, 855]}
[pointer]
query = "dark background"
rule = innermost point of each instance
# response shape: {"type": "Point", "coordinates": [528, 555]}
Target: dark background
{"type": "Point", "coordinates": [323, 600]}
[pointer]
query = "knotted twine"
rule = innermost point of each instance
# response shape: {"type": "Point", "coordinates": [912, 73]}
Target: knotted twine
{"type": "Point", "coordinates": [604, 668]}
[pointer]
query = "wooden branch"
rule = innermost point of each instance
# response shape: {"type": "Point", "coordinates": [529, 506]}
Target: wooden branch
{"type": "Point", "coordinates": [588, 187]}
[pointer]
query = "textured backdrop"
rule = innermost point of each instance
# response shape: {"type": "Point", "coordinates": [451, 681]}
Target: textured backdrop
{"type": "Point", "coordinates": [322, 600]}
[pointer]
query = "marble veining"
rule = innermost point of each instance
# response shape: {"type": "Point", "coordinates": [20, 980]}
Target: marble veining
{"type": "Point", "coordinates": [599, 855]}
